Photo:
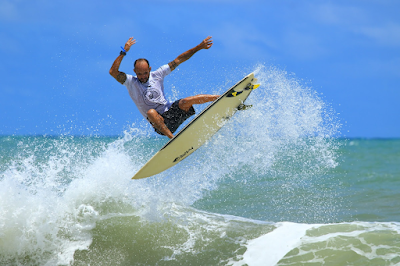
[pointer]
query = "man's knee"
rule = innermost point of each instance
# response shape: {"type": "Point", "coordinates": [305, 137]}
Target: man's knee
{"type": "Point", "coordinates": [185, 103]}
{"type": "Point", "coordinates": [152, 114]}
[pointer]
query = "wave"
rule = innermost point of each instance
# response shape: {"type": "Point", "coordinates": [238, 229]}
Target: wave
{"type": "Point", "coordinates": [70, 201]}
{"type": "Point", "coordinates": [187, 236]}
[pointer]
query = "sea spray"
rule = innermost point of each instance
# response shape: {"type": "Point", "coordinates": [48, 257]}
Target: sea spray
{"type": "Point", "coordinates": [285, 141]}
{"type": "Point", "coordinates": [63, 197]}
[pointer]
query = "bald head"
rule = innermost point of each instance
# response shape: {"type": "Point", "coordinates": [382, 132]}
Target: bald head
{"type": "Point", "coordinates": [142, 69]}
{"type": "Point", "coordinates": [141, 60]}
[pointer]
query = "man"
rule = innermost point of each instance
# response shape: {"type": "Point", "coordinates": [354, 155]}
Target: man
{"type": "Point", "coordinates": [147, 90]}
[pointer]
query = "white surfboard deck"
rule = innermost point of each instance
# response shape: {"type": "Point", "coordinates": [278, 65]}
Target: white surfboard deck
{"type": "Point", "coordinates": [200, 129]}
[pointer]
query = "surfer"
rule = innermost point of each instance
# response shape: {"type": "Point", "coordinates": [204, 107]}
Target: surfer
{"type": "Point", "coordinates": [147, 90]}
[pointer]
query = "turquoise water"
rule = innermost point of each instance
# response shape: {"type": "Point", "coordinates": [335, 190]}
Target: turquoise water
{"type": "Point", "coordinates": [274, 187]}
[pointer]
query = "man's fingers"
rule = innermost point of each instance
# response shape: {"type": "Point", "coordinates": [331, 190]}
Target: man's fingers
{"type": "Point", "coordinates": [131, 41]}
{"type": "Point", "coordinates": [208, 42]}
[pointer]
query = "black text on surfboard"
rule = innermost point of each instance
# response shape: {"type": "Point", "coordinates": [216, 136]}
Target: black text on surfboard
{"type": "Point", "coordinates": [183, 155]}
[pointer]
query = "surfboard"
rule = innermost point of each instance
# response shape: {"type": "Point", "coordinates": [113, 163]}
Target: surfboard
{"type": "Point", "coordinates": [200, 129]}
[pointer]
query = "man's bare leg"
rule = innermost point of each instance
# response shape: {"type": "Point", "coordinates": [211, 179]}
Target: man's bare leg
{"type": "Point", "coordinates": [158, 122]}
{"type": "Point", "coordinates": [187, 102]}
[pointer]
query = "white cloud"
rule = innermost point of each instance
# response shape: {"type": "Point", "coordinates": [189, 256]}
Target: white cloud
{"type": "Point", "coordinates": [208, 1]}
{"type": "Point", "coordinates": [244, 40]}
{"type": "Point", "coordinates": [303, 45]}
{"type": "Point", "coordinates": [335, 14]}
{"type": "Point", "coordinates": [8, 11]}
{"type": "Point", "coordinates": [386, 35]}
{"type": "Point", "coordinates": [373, 20]}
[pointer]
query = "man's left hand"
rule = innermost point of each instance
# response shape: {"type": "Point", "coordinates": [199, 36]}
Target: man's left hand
{"type": "Point", "coordinates": [206, 43]}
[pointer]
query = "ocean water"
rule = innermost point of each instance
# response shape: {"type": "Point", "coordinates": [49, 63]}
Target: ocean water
{"type": "Point", "coordinates": [275, 186]}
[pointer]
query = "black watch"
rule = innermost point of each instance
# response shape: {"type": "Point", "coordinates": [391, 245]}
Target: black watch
{"type": "Point", "coordinates": [122, 53]}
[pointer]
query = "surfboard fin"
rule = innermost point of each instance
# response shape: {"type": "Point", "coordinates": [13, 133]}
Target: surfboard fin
{"type": "Point", "coordinates": [255, 86]}
{"type": "Point", "coordinates": [243, 107]}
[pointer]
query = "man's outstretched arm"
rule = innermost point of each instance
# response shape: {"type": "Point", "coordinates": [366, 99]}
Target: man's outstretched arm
{"type": "Point", "coordinates": [205, 44]}
{"type": "Point", "coordinates": [114, 70]}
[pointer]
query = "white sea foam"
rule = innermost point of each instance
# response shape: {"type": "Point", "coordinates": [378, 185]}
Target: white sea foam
{"type": "Point", "coordinates": [269, 249]}
{"type": "Point", "coordinates": [363, 239]}
{"type": "Point", "coordinates": [56, 190]}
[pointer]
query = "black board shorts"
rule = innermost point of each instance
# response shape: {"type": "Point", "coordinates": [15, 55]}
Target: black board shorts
{"type": "Point", "coordinates": [175, 116]}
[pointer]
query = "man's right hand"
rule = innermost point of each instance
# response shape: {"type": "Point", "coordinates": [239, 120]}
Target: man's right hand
{"type": "Point", "coordinates": [129, 43]}
{"type": "Point", "coordinates": [114, 70]}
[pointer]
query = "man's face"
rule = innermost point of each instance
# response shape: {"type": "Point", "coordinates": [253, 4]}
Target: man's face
{"type": "Point", "coordinates": [142, 71]}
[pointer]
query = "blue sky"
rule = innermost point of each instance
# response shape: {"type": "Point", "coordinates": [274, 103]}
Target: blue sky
{"type": "Point", "coordinates": [55, 57]}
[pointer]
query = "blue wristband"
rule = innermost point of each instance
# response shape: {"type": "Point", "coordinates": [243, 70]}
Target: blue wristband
{"type": "Point", "coordinates": [123, 50]}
